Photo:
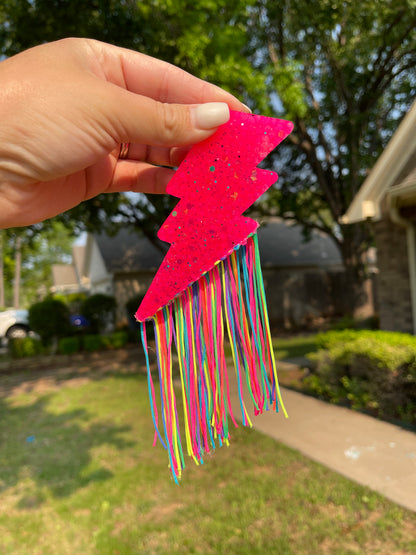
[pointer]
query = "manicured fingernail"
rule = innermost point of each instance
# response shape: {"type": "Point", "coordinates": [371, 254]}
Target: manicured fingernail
{"type": "Point", "coordinates": [248, 108]}
{"type": "Point", "coordinates": [210, 115]}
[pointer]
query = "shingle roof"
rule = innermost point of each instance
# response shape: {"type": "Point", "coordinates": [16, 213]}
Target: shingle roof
{"type": "Point", "coordinates": [128, 251]}
{"type": "Point", "coordinates": [281, 245]}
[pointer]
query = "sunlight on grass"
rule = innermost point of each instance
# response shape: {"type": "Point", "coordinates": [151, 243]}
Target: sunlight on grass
{"type": "Point", "coordinates": [294, 347]}
{"type": "Point", "coordinates": [78, 474]}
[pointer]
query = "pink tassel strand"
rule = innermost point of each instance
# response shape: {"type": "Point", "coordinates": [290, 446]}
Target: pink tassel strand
{"type": "Point", "coordinates": [228, 299]}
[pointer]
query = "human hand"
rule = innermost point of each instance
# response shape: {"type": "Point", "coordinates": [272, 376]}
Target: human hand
{"type": "Point", "coordinates": [65, 109]}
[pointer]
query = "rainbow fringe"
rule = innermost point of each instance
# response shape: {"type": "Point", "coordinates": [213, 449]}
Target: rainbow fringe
{"type": "Point", "coordinates": [232, 292]}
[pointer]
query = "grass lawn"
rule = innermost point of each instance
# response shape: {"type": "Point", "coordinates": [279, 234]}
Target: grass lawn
{"type": "Point", "coordinates": [78, 474]}
{"type": "Point", "coordinates": [294, 347]}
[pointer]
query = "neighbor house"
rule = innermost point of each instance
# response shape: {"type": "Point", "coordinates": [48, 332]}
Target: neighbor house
{"type": "Point", "coordinates": [304, 280]}
{"type": "Point", "coordinates": [71, 278]}
{"type": "Point", "coordinates": [388, 199]}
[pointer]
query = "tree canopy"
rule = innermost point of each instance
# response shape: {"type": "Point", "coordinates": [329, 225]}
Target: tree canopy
{"type": "Point", "coordinates": [343, 71]}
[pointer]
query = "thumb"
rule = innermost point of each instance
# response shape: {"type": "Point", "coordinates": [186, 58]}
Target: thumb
{"type": "Point", "coordinates": [144, 120]}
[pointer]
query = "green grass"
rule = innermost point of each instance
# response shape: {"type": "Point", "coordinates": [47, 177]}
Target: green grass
{"type": "Point", "coordinates": [294, 347]}
{"type": "Point", "coordinates": [78, 474]}
{"type": "Point", "coordinates": [289, 347]}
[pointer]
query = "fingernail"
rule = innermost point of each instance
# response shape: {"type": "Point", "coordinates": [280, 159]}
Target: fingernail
{"type": "Point", "coordinates": [248, 108]}
{"type": "Point", "coordinates": [210, 115]}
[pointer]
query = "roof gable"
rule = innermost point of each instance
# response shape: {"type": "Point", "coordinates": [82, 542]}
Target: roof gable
{"type": "Point", "coordinates": [396, 163]}
{"type": "Point", "coordinates": [128, 251]}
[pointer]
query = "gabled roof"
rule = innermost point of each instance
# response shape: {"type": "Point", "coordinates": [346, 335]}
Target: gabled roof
{"type": "Point", "coordinates": [78, 257]}
{"type": "Point", "coordinates": [281, 245]}
{"type": "Point", "coordinates": [128, 251]}
{"type": "Point", "coordinates": [395, 166]}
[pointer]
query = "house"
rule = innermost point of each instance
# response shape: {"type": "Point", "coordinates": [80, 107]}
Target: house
{"type": "Point", "coordinates": [304, 281]}
{"type": "Point", "coordinates": [388, 199]}
{"type": "Point", "coordinates": [122, 265]}
{"type": "Point", "coordinates": [71, 278]}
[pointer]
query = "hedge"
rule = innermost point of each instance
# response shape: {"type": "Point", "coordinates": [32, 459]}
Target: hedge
{"type": "Point", "coordinates": [20, 347]}
{"type": "Point", "coordinates": [68, 345]}
{"type": "Point", "coordinates": [31, 346]}
{"type": "Point", "coordinates": [373, 371]}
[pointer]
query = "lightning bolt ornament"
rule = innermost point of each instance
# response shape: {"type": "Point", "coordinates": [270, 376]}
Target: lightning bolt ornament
{"type": "Point", "coordinates": [210, 285]}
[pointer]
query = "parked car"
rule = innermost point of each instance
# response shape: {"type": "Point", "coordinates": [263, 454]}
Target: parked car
{"type": "Point", "coordinates": [14, 323]}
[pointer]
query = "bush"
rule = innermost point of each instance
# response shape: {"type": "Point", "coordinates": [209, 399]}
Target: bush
{"type": "Point", "coordinates": [99, 311]}
{"type": "Point", "coordinates": [96, 342]}
{"type": "Point", "coordinates": [351, 323]}
{"type": "Point", "coordinates": [49, 319]}
{"type": "Point", "coordinates": [116, 340]}
{"type": "Point", "coordinates": [68, 345]}
{"type": "Point", "coordinates": [20, 347]}
{"type": "Point", "coordinates": [93, 342]}
{"type": "Point", "coordinates": [72, 300]}
{"type": "Point", "coordinates": [368, 370]}
{"type": "Point", "coordinates": [133, 304]}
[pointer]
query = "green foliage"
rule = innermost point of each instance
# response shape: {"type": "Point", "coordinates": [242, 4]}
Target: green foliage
{"type": "Point", "coordinates": [41, 246]}
{"type": "Point", "coordinates": [343, 71]}
{"type": "Point", "coordinates": [93, 342]}
{"type": "Point", "coordinates": [99, 311]}
{"type": "Point", "coordinates": [368, 370]}
{"type": "Point", "coordinates": [349, 323]}
{"type": "Point", "coordinates": [21, 347]}
{"type": "Point", "coordinates": [116, 340]}
{"type": "Point", "coordinates": [366, 337]}
{"type": "Point", "coordinates": [68, 345]}
{"type": "Point", "coordinates": [96, 342]}
{"type": "Point", "coordinates": [72, 300]}
{"type": "Point", "coordinates": [50, 319]}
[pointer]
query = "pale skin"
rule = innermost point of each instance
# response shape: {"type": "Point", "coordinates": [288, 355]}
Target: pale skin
{"type": "Point", "coordinates": [65, 109]}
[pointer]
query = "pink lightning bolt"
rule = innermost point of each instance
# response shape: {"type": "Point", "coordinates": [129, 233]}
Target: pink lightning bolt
{"type": "Point", "coordinates": [216, 183]}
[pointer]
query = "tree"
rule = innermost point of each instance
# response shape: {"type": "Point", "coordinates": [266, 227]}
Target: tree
{"type": "Point", "coordinates": [45, 245]}
{"type": "Point", "coordinates": [205, 37]}
{"type": "Point", "coordinates": [99, 311]}
{"type": "Point", "coordinates": [49, 319]}
{"type": "Point", "coordinates": [28, 254]}
{"type": "Point", "coordinates": [344, 72]}
{"type": "Point", "coordinates": [2, 297]}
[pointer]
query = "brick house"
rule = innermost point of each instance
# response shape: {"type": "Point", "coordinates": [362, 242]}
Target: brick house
{"type": "Point", "coordinates": [304, 280]}
{"type": "Point", "coordinates": [388, 199]}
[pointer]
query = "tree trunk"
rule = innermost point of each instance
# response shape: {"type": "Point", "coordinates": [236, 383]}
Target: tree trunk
{"type": "Point", "coordinates": [17, 271]}
{"type": "Point", "coordinates": [2, 303]}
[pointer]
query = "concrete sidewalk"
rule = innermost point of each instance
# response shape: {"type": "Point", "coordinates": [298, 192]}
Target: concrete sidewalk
{"type": "Point", "coordinates": [370, 452]}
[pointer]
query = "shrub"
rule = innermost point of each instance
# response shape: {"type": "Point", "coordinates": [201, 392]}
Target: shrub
{"type": "Point", "coordinates": [369, 370]}
{"type": "Point", "coordinates": [68, 345]}
{"type": "Point", "coordinates": [20, 347]}
{"type": "Point", "coordinates": [116, 340]}
{"type": "Point", "coordinates": [99, 311]}
{"type": "Point", "coordinates": [134, 326]}
{"type": "Point", "coordinates": [133, 304]}
{"type": "Point", "coordinates": [93, 342]}
{"type": "Point", "coordinates": [49, 319]}
{"type": "Point", "coordinates": [351, 323]}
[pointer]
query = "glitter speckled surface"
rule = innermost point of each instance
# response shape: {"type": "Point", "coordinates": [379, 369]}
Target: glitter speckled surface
{"type": "Point", "coordinates": [216, 183]}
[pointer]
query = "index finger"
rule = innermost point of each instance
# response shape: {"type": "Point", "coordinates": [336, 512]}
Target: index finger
{"type": "Point", "coordinates": [157, 79]}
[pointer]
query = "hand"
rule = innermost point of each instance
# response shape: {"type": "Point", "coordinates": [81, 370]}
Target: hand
{"type": "Point", "coordinates": [65, 108]}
